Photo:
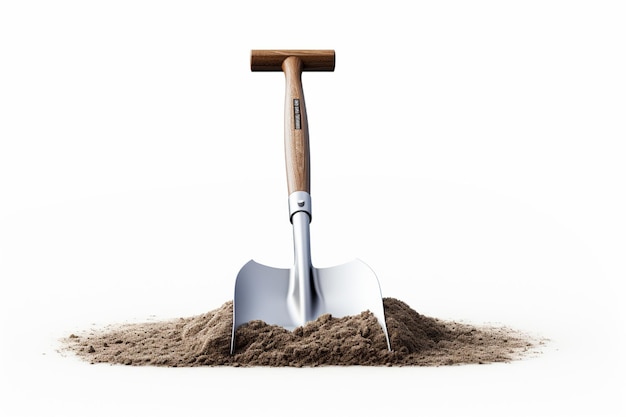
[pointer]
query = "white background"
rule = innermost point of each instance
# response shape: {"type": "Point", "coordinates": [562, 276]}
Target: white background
{"type": "Point", "coordinates": [471, 152]}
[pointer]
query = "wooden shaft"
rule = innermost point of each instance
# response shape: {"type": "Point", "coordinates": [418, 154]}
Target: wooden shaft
{"type": "Point", "coordinates": [296, 128]}
{"type": "Point", "coordinates": [312, 59]}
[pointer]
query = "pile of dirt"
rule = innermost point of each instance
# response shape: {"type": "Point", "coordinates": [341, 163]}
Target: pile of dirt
{"type": "Point", "coordinates": [204, 340]}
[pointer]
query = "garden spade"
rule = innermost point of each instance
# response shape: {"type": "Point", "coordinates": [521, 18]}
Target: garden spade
{"type": "Point", "coordinates": [292, 297]}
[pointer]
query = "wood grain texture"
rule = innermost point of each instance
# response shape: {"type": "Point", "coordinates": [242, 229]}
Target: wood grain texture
{"type": "Point", "coordinates": [312, 59]}
{"type": "Point", "coordinates": [296, 128]}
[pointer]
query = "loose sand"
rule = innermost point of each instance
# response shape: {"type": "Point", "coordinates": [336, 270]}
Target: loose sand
{"type": "Point", "coordinates": [204, 340]}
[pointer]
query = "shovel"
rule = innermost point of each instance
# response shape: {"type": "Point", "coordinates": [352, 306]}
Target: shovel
{"type": "Point", "coordinates": [292, 297]}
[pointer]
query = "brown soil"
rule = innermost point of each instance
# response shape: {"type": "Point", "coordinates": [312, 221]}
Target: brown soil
{"type": "Point", "coordinates": [204, 340]}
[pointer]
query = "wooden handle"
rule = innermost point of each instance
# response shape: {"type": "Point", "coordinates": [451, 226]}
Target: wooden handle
{"type": "Point", "coordinates": [292, 62]}
{"type": "Point", "coordinates": [296, 128]}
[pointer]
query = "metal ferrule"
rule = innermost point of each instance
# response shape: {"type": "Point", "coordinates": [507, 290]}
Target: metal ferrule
{"type": "Point", "coordinates": [299, 201]}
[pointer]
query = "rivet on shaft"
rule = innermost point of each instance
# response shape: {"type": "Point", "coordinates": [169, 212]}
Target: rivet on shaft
{"type": "Point", "coordinates": [300, 203]}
